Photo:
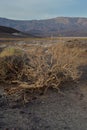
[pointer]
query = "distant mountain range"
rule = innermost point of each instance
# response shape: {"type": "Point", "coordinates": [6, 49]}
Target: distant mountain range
{"type": "Point", "coordinates": [60, 26]}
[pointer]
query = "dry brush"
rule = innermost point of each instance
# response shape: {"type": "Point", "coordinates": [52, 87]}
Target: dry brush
{"type": "Point", "coordinates": [35, 70]}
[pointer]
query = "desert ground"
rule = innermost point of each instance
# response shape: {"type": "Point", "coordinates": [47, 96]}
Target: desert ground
{"type": "Point", "coordinates": [51, 91]}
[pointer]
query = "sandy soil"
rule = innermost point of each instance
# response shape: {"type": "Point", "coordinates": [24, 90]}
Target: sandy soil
{"type": "Point", "coordinates": [53, 111]}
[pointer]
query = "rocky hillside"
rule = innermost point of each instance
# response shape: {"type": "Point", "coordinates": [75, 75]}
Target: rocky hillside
{"type": "Point", "coordinates": [11, 32]}
{"type": "Point", "coordinates": [8, 30]}
{"type": "Point", "coordinates": [60, 26]}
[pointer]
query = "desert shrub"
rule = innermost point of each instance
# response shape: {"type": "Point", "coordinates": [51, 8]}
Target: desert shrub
{"type": "Point", "coordinates": [39, 68]}
{"type": "Point", "coordinates": [11, 63]}
{"type": "Point", "coordinates": [66, 58]}
{"type": "Point", "coordinates": [10, 51]}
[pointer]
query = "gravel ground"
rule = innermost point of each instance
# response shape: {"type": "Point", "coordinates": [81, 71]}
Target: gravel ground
{"type": "Point", "coordinates": [52, 111]}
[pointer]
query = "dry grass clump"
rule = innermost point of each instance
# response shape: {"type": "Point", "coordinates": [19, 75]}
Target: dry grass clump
{"type": "Point", "coordinates": [11, 64]}
{"type": "Point", "coordinates": [46, 67]}
{"type": "Point", "coordinates": [10, 51]}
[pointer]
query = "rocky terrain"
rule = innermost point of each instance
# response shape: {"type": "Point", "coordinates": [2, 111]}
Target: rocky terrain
{"type": "Point", "coordinates": [62, 109]}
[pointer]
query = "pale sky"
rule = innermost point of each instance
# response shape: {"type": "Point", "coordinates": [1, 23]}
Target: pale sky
{"type": "Point", "coordinates": [42, 9]}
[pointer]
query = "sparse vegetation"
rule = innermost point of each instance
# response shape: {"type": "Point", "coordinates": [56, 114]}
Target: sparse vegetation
{"type": "Point", "coordinates": [37, 68]}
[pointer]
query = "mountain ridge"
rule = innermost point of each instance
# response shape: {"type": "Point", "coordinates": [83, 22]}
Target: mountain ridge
{"type": "Point", "coordinates": [59, 26]}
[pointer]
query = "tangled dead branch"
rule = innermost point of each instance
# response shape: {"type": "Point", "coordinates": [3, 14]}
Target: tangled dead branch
{"type": "Point", "coordinates": [36, 71]}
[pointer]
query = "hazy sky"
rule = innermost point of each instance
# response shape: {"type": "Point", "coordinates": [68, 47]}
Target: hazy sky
{"type": "Point", "coordinates": [42, 9]}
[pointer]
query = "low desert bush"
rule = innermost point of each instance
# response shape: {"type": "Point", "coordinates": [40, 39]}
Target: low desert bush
{"type": "Point", "coordinates": [11, 64]}
{"type": "Point", "coordinates": [47, 67]}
